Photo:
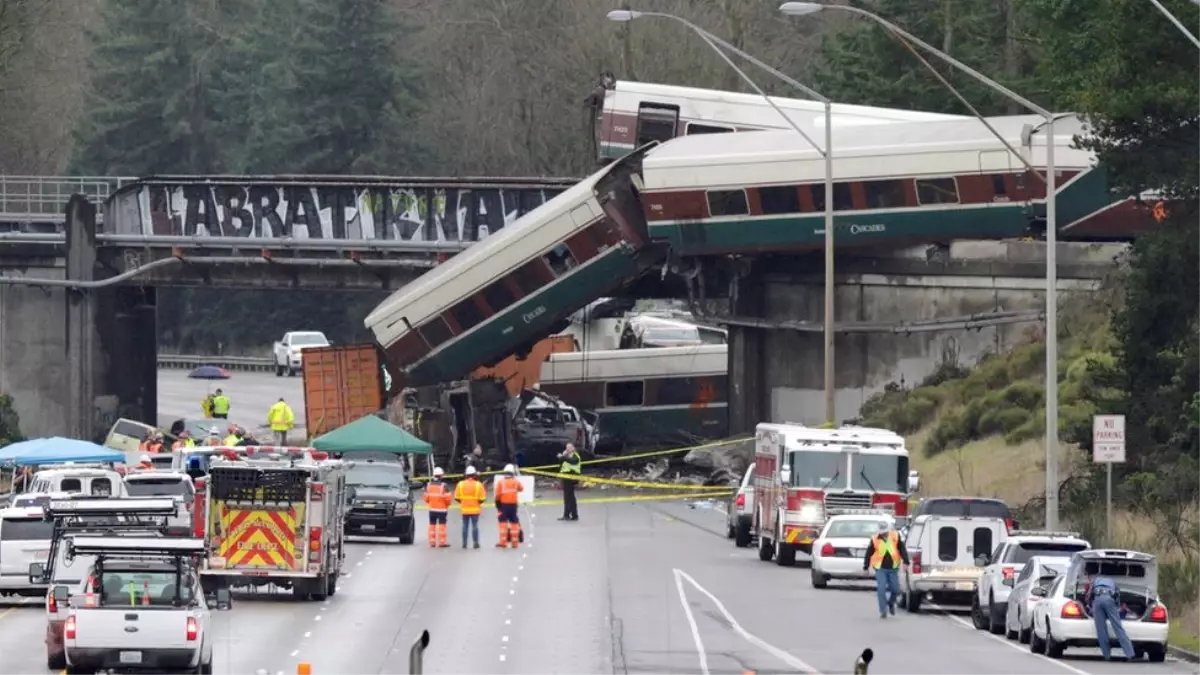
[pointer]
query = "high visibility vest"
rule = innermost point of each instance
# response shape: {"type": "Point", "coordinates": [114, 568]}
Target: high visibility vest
{"type": "Point", "coordinates": [281, 417]}
{"type": "Point", "coordinates": [470, 494]}
{"type": "Point", "coordinates": [890, 546]}
{"type": "Point", "coordinates": [438, 496]}
{"type": "Point", "coordinates": [232, 440]}
{"type": "Point", "coordinates": [183, 443]}
{"type": "Point", "coordinates": [220, 405]}
{"type": "Point", "coordinates": [507, 490]}
{"type": "Point", "coordinates": [571, 464]}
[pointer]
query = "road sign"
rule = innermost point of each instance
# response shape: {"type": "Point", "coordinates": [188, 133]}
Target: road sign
{"type": "Point", "coordinates": [1108, 439]}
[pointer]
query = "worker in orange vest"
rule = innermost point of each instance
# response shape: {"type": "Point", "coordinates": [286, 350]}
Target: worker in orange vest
{"type": "Point", "coordinates": [508, 490]}
{"type": "Point", "coordinates": [438, 497]}
{"type": "Point", "coordinates": [470, 493]}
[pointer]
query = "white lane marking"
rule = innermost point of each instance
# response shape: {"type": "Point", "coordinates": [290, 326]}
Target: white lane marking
{"type": "Point", "coordinates": [504, 639]}
{"type": "Point", "coordinates": [308, 634]}
{"type": "Point", "coordinates": [294, 653]}
{"type": "Point", "coordinates": [692, 623]}
{"type": "Point", "coordinates": [747, 635]}
{"type": "Point", "coordinates": [317, 617]}
{"type": "Point", "coordinates": [501, 657]}
{"type": "Point", "coordinates": [358, 564]}
{"type": "Point", "coordinates": [1004, 641]}
{"type": "Point", "coordinates": [512, 591]}
{"type": "Point", "coordinates": [514, 580]}
{"type": "Point", "coordinates": [508, 622]}
{"type": "Point", "coordinates": [520, 567]}
{"type": "Point", "coordinates": [508, 607]}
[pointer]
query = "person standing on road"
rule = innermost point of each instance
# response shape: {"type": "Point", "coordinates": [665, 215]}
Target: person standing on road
{"type": "Point", "coordinates": [1103, 601]}
{"type": "Point", "coordinates": [438, 497]}
{"type": "Point", "coordinates": [220, 405]}
{"type": "Point", "coordinates": [886, 555]}
{"type": "Point", "coordinates": [206, 406]}
{"type": "Point", "coordinates": [508, 490]}
{"type": "Point", "coordinates": [281, 419]}
{"type": "Point", "coordinates": [572, 464]}
{"type": "Point", "coordinates": [470, 495]}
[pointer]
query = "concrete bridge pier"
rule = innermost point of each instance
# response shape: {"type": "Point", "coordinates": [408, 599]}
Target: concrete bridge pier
{"type": "Point", "coordinates": [75, 353]}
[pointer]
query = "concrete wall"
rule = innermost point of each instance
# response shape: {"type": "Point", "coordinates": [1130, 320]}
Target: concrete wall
{"type": "Point", "coordinates": [33, 367]}
{"type": "Point", "coordinates": [778, 374]}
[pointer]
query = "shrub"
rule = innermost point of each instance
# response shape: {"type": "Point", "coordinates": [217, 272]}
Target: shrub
{"type": "Point", "coordinates": [10, 423]}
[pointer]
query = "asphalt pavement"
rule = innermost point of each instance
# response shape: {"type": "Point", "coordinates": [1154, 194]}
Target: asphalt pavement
{"type": "Point", "coordinates": [643, 587]}
{"type": "Point", "coordinates": [251, 395]}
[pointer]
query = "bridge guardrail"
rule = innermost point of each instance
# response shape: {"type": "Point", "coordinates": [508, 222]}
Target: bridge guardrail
{"type": "Point", "coordinates": [189, 361]}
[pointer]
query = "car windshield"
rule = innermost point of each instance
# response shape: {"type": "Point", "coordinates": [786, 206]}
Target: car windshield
{"type": "Point", "coordinates": [1022, 552]}
{"type": "Point", "coordinates": [817, 468]}
{"type": "Point", "coordinates": [156, 487]}
{"type": "Point", "coordinates": [308, 340]}
{"type": "Point", "coordinates": [853, 528]}
{"type": "Point", "coordinates": [885, 473]}
{"type": "Point", "coordinates": [390, 476]}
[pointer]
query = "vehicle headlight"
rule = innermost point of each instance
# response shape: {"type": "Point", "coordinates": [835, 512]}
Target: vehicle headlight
{"type": "Point", "coordinates": [400, 507]}
{"type": "Point", "coordinates": [811, 511]}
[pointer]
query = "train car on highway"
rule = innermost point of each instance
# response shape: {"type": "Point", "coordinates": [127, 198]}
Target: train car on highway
{"type": "Point", "coordinates": [520, 284]}
{"type": "Point", "coordinates": [646, 396]}
{"type": "Point", "coordinates": [275, 517]}
{"type": "Point", "coordinates": [802, 475]}
{"type": "Point", "coordinates": [895, 184]}
{"type": "Point", "coordinates": [630, 114]}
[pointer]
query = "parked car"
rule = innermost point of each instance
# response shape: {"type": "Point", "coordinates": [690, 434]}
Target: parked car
{"type": "Point", "coordinates": [942, 550]}
{"type": "Point", "coordinates": [966, 507]}
{"type": "Point", "coordinates": [839, 549]}
{"type": "Point", "coordinates": [1000, 568]}
{"type": "Point", "coordinates": [740, 511]}
{"type": "Point", "coordinates": [1037, 575]}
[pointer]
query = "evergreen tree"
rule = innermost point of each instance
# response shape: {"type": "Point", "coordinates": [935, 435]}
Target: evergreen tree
{"type": "Point", "coordinates": [149, 108]}
{"type": "Point", "coordinates": [865, 64]}
{"type": "Point", "coordinates": [349, 97]}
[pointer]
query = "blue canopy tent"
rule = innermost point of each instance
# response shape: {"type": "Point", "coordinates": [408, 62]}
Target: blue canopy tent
{"type": "Point", "coordinates": [56, 450]}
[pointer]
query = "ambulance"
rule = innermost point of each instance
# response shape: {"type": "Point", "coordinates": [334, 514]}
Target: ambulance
{"type": "Point", "coordinates": [803, 475]}
{"type": "Point", "coordinates": [273, 516]}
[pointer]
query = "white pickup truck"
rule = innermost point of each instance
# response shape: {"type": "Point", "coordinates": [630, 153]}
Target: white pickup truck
{"type": "Point", "coordinates": [141, 609]}
{"type": "Point", "coordinates": [287, 350]}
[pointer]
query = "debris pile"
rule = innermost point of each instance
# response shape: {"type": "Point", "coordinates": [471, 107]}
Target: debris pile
{"type": "Point", "coordinates": [726, 462]}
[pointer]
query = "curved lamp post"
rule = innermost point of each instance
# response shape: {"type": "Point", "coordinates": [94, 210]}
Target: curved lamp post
{"type": "Point", "coordinates": [716, 43]}
{"type": "Point", "coordinates": [805, 8]}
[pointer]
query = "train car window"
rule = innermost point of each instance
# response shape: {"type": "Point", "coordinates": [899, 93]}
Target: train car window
{"type": "Point", "coordinates": [676, 391]}
{"type": "Point", "coordinates": [998, 189]}
{"type": "Point", "coordinates": [727, 203]}
{"type": "Point", "coordinates": [467, 314]}
{"type": "Point", "coordinates": [498, 297]}
{"type": "Point", "coordinates": [936, 191]}
{"type": "Point", "coordinates": [625, 393]}
{"type": "Point", "coordinates": [779, 199]}
{"type": "Point", "coordinates": [656, 122]}
{"type": "Point", "coordinates": [435, 332]}
{"type": "Point", "coordinates": [843, 198]}
{"type": "Point", "coordinates": [883, 194]}
{"type": "Point", "coordinates": [693, 129]}
{"type": "Point", "coordinates": [560, 260]}
{"type": "Point", "coordinates": [529, 278]}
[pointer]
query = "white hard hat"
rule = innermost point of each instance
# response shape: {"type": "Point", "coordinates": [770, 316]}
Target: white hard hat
{"type": "Point", "coordinates": [509, 468]}
{"type": "Point", "coordinates": [437, 471]}
{"type": "Point", "coordinates": [145, 459]}
{"type": "Point", "coordinates": [470, 471]}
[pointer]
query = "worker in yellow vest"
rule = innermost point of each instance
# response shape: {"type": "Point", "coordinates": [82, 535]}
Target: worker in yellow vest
{"type": "Point", "coordinates": [220, 405]}
{"type": "Point", "coordinates": [206, 406]}
{"type": "Point", "coordinates": [470, 494]}
{"type": "Point", "coordinates": [233, 438]}
{"type": "Point", "coordinates": [184, 440]}
{"type": "Point", "coordinates": [886, 555]}
{"type": "Point", "coordinates": [282, 419]}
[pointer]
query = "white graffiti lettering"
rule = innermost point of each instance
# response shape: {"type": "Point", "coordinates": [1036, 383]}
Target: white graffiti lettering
{"type": "Point", "coordinates": [324, 211]}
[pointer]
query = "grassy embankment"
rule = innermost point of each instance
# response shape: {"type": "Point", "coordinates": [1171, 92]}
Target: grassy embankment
{"type": "Point", "coordinates": [979, 432]}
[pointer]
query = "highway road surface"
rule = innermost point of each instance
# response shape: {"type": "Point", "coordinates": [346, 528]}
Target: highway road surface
{"type": "Point", "coordinates": [251, 395]}
{"type": "Point", "coordinates": [646, 587]}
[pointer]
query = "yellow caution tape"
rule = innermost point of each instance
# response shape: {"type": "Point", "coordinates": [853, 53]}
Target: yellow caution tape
{"type": "Point", "coordinates": [626, 483]}
{"type": "Point", "coordinates": [606, 500]}
{"type": "Point", "coordinates": [602, 460]}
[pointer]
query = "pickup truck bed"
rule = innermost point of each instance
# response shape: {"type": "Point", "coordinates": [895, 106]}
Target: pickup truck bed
{"type": "Point", "coordinates": [141, 637]}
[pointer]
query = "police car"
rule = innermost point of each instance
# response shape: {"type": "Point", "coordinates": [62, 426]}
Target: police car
{"type": "Point", "coordinates": [839, 549]}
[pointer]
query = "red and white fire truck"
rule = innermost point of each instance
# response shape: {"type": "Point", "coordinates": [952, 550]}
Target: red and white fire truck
{"type": "Point", "coordinates": [803, 475]}
{"type": "Point", "coordinates": [274, 516]}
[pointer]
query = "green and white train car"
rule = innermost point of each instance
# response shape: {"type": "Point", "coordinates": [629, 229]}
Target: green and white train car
{"type": "Point", "coordinates": [646, 397]}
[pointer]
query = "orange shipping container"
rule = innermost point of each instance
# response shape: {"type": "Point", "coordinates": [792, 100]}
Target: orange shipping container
{"type": "Point", "coordinates": [341, 384]}
{"type": "Point", "coordinates": [519, 374]}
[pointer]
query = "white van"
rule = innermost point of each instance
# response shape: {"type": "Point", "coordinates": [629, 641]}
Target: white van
{"type": "Point", "coordinates": [93, 481]}
{"type": "Point", "coordinates": [942, 552]}
{"type": "Point", "coordinates": [175, 484]}
{"type": "Point", "coordinates": [24, 538]}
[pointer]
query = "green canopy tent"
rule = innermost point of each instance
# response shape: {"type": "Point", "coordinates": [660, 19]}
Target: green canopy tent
{"type": "Point", "coordinates": [371, 434]}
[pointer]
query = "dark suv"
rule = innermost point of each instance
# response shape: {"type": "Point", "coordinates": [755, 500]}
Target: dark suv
{"type": "Point", "coordinates": [966, 507]}
{"type": "Point", "coordinates": [381, 500]}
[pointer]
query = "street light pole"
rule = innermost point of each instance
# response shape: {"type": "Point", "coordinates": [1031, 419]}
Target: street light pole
{"type": "Point", "coordinates": [717, 44]}
{"type": "Point", "coordinates": [803, 8]}
{"type": "Point", "coordinates": [1178, 24]}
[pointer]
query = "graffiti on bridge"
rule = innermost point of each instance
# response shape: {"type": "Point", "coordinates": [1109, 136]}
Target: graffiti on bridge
{"type": "Point", "coordinates": [417, 214]}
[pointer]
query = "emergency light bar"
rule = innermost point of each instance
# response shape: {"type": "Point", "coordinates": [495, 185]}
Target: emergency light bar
{"type": "Point", "coordinates": [1039, 533]}
{"type": "Point", "coordinates": [137, 546]}
{"type": "Point", "coordinates": [120, 507]}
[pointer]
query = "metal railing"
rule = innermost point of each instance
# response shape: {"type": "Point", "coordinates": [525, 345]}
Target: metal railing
{"type": "Point", "coordinates": [189, 361]}
{"type": "Point", "coordinates": [44, 198]}
{"type": "Point", "coordinates": [253, 243]}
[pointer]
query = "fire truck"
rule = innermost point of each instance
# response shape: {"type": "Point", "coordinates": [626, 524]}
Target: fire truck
{"type": "Point", "coordinates": [273, 517]}
{"type": "Point", "coordinates": [802, 475]}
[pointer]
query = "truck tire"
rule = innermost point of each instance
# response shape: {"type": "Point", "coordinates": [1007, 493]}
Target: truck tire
{"type": "Point", "coordinates": [785, 555]}
{"type": "Point", "coordinates": [331, 584]}
{"type": "Point", "coordinates": [766, 549]}
{"type": "Point", "coordinates": [56, 661]}
{"type": "Point", "coordinates": [321, 588]}
{"type": "Point", "coordinates": [741, 537]}
{"type": "Point", "coordinates": [408, 534]}
{"type": "Point", "coordinates": [278, 370]}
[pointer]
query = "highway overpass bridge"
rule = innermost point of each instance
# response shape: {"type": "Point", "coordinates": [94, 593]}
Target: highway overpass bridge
{"type": "Point", "coordinates": [78, 300]}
